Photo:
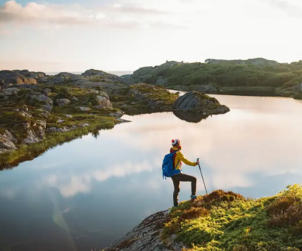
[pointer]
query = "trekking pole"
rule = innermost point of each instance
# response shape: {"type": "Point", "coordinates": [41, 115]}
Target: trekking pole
{"type": "Point", "coordinates": [202, 176]}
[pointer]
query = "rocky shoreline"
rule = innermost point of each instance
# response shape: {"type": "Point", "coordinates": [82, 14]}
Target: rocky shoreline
{"type": "Point", "coordinates": [38, 111]}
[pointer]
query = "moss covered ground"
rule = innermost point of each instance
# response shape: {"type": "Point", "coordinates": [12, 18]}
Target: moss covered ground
{"type": "Point", "coordinates": [228, 221]}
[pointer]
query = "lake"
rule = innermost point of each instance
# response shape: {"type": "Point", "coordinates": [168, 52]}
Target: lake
{"type": "Point", "coordinates": [85, 194]}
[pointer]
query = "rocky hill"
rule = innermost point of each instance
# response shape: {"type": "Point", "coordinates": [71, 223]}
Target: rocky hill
{"type": "Point", "coordinates": [257, 76]}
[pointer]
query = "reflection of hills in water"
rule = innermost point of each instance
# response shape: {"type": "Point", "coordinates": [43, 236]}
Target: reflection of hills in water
{"type": "Point", "coordinates": [190, 116]}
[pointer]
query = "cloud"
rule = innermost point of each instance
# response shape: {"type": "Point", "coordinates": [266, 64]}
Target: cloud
{"type": "Point", "coordinates": [135, 9]}
{"type": "Point", "coordinates": [33, 12]}
{"type": "Point", "coordinates": [81, 183]}
{"type": "Point", "coordinates": [290, 8]}
{"type": "Point", "coordinates": [113, 16]}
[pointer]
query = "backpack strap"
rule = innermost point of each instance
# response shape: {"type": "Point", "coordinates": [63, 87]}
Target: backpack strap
{"type": "Point", "coordinates": [178, 161]}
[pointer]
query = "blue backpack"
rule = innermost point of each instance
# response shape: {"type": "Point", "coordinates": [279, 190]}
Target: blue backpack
{"type": "Point", "coordinates": [167, 166]}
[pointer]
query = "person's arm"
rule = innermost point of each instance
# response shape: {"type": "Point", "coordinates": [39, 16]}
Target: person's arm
{"type": "Point", "coordinates": [187, 162]}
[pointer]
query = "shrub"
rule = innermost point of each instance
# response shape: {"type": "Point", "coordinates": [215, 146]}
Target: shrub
{"type": "Point", "coordinates": [92, 99]}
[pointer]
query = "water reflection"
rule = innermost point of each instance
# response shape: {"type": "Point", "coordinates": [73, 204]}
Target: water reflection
{"type": "Point", "coordinates": [86, 193]}
{"type": "Point", "coordinates": [190, 116]}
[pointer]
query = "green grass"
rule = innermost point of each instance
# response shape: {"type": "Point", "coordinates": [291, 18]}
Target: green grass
{"type": "Point", "coordinates": [156, 93]}
{"type": "Point", "coordinates": [227, 221]}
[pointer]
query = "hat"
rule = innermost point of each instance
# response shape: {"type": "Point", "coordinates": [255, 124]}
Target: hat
{"type": "Point", "coordinates": [175, 142]}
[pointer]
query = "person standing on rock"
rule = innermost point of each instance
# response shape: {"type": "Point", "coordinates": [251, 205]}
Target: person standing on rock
{"type": "Point", "coordinates": [178, 158]}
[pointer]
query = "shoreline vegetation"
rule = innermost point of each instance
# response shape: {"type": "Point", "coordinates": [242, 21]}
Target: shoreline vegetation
{"type": "Point", "coordinates": [39, 112]}
{"type": "Point", "coordinates": [222, 221]}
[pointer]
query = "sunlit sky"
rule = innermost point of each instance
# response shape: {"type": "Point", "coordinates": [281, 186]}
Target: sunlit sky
{"type": "Point", "coordinates": [117, 35]}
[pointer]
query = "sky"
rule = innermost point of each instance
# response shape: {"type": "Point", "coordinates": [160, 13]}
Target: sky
{"type": "Point", "coordinates": [120, 35]}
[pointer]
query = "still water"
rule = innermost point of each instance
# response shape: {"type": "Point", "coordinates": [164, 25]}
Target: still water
{"type": "Point", "coordinates": [85, 194]}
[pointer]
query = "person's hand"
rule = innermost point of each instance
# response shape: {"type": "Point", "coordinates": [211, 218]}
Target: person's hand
{"type": "Point", "coordinates": [197, 162]}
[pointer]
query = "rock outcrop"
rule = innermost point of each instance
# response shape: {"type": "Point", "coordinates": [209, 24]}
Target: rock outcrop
{"type": "Point", "coordinates": [63, 101]}
{"type": "Point", "coordinates": [31, 74]}
{"type": "Point", "coordinates": [7, 142]}
{"type": "Point", "coordinates": [10, 91]}
{"type": "Point", "coordinates": [83, 109]}
{"type": "Point", "coordinates": [146, 236]}
{"type": "Point", "coordinates": [104, 102]}
{"type": "Point", "coordinates": [19, 77]}
{"type": "Point", "coordinates": [45, 102]}
{"type": "Point", "coordinates": [63, 78]}
{"type": "Point", "coordinates": [35, 132]}
{"type": "Point", "coordinates": [199, 103]}
{"type": "Point", "coordinates": [101, 76]}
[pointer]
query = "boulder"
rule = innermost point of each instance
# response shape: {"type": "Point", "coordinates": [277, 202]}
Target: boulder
{"type": "Point", "coordinates": [41, 97]}
{"type": "Point", "coordinates": [10, 91]}
{"type": "Point", "coordinates": [35, 133]}
{"type": "Point", "coordinates": [39, 128]}
{"type": "Point", "coordinates": [25, 114]}
{"type": "Point", "coordinates": [16, 78]}
{"type": "Point", "coordinates": [101, 76]}
{"type": "Point", "coordinates": [83, 109]}
{"type": "Point", "coordinates": [46, 91]}
{"type": "Point", "coordinates": [56, 129]}
{"type": "Point", "coordinates": [103, 94]}
{"type": "Point", "coordinates": [32, 74]}
{"type": "Point", "coordinates": [7, 142]}
{"type": "Point", "coordinates": [46, 102]}
{"type": "Point", "coordinates": [9, 136]}
{"type": "Point", "coordinates": [104, 102]}
{"type": "Point", "coordinates": [43, 113]}
{"type": "Point", "coordinates": [199, 103]}
{"type": "Point", "coordinates": [6, 145]}
{"type": "Point", "coordinates": [84, 125]}
{"type": "Point", "coordinates": [65, 77]}
{"type": "Point", "coordinates": [47, 107]}
{"type": "Point", "coordinates": [118, 114]}
{"type": "Point", "coordinates": [63, 101]}
{"type": "Point", "coordinates": [31, 138]}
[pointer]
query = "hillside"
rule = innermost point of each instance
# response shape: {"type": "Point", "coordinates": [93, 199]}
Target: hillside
{"type": "Point", "coordinates": [222, 221]}
{"type": "Point", "coordinates": [244, 77]}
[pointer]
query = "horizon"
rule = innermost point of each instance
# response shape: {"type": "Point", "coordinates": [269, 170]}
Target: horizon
{"type": "Point", "coordinates": [131, 71]}
{"type": "Point", "coordinates": [112, 35]}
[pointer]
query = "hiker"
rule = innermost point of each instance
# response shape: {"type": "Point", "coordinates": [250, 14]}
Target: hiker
{"type": "Point", "coordinates": [178, 176]}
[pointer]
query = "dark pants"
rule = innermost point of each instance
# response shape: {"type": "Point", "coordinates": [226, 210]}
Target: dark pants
{"type": "Point", "coordinates": [182, 177]}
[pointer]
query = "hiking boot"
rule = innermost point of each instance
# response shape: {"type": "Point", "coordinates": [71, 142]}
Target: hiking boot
{"type": "Point", "coordinates": [193, 197]}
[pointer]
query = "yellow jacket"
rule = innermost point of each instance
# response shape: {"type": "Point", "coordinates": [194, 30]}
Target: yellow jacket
{"type": "Point", "coordinates": [179, 158]}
